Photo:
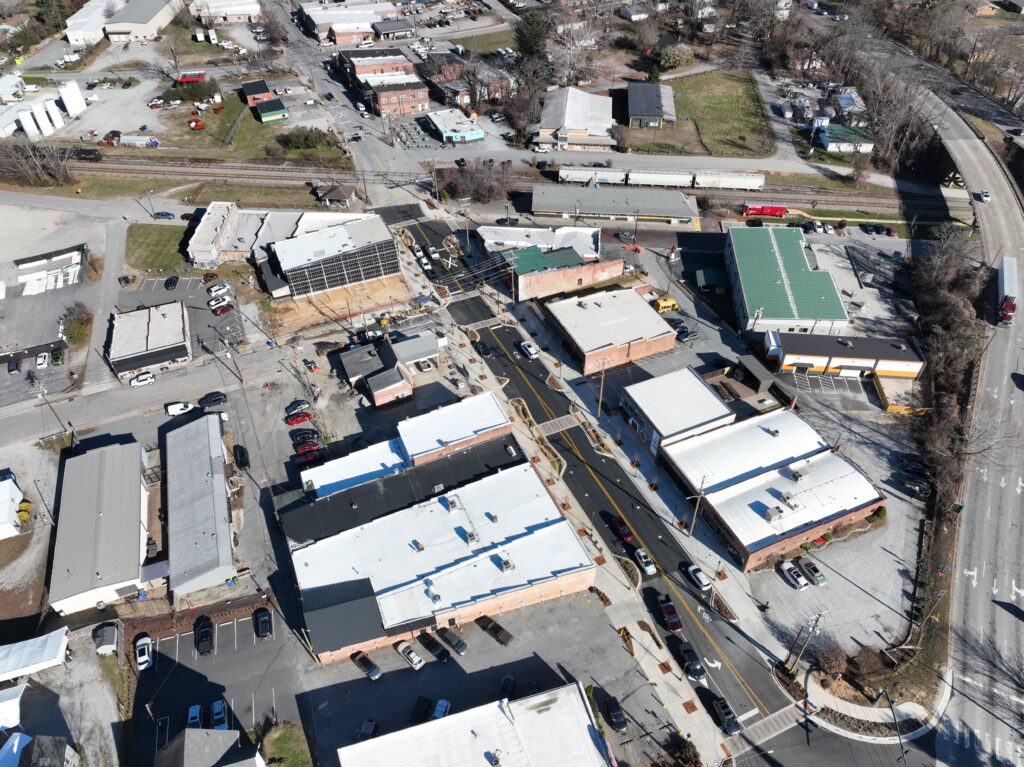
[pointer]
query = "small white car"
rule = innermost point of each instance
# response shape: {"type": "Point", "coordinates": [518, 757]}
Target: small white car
{"type": "Point", "coordinates": [985, 196]}
{"type": "Point", "coordinates": [529, 350]}
{"type": "Point", "coordinates": [142, 379]}
{"type": "Point", "coordinates": [42, 360]}
{"type": "Point", "coordinates": [818, 227]}
{"type": "Point", "coordinates": [143, 653]}
{"type": "Point", "coordinates": [195, 717]}
{"type": "Point", "coordinates": [829, 229]}
{"type": "Point", "coordinates": [643, 559]}
{"type": "Point", "coordinates": [218, 290]}
{"type": "Point", "coordinates": [217, 303]}
{"type": "Point", "coordinates": [700, 580]}
{"type": "Point", "coordinates": [409, 655]}
{"type": "Point", "coordinates": [432, 251]}
{"type": "Point", "coordinates": [424, 262]}
{"type": "Point", "coordinates": [793, 576]}
{"type": "Point", "coordinates": [541, 149]}
{"type": "Point", "coordinates": [179, 408]}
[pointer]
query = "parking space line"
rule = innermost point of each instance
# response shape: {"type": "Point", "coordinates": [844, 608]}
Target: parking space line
{"type": "Point", "coordinates": [236, 633]}
{"type": "Point", "coordinates": [233, 709]}
{"type": "Point", "coordinates": [273, 705]}
{"type": "Point", "coordinates": [216, 632]}
{"type": "Point", "coordinates": [253, 709]}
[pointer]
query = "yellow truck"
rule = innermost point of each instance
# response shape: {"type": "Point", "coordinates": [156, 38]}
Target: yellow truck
{"type": "Point", "coordinates": [665, 303]}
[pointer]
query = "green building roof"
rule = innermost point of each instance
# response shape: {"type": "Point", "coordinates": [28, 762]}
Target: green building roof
{"type": "Point", "coordinates": [533, 259]}
{"type": "Point", "coordinates": [776, 278]}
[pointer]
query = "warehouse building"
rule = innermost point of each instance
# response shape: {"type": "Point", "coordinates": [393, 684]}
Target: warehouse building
{"type": "Point", "coordinates": [546, 729]}
{"type": "Point", "coordinates": [359, 250]}
{"type": "Point", "coordinates": [420, 440]}
{"type": "Point", "coordinates": [141, 20]}
{"type": "Point", "coordinates": [198, 515]}
{"type": "Point", "coordinates": [152, 338]}
{"type": "Point", "coordinates": [353, 23]}
{"type": "Point", "coordinates": [848, 356]}
{"type": "Point", "coordinates": [673, 407]}
{"type": "Point", "coordinates": [774, 287]}
{"type": "Point", "coordinates": [611, 328]}
{"type": "Point", "coordinates": [445, 561]}
{"type": "Point", "coordinates": [770, 484]}
{"type": "Point", "coordinates": [84, 28]}
{"type": "Point", "coordinates": [576, 120]}
{"type": "Point", "coordinates": [631, 204]}
{"type": "Point", "coordinates": [212, 12]}
{"type": "Point", "coordinates": [101, 529]}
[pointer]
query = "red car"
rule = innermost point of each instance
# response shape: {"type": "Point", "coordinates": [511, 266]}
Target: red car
{"type": "Point", "coordinates": [223, 309]}
{"type": "Point", "coordinates": [312, 458]}
{"type": "Point", "coordinates": [622, 529]}
{"type": "Point", "coordinates": [304, 448]}
{"type": "Point", "coordinates": [296, 418]}
{"type": "Point", "coordinates": [670, 615]}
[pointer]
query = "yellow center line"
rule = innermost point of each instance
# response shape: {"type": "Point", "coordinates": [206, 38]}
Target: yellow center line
{"type": "Point", "coordinates": [671, 585]}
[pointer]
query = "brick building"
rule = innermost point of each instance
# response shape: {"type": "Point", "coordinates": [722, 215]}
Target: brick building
{"type": "Point", "coordinates": [396, 94]}
{"type": "Point", "coordinates": [446, 73]}
{"type": "Point", "coordinates": [360, 62]}
{"type": "Point", "coordinates": [611, 328]}
{"type": "Point", "coordinates": [256, 92]}
{"type": "Point", "coordinates": [534, 273]}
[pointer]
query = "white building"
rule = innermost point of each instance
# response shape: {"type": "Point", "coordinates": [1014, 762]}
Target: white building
{"type": "Point", "coordinates": [212, 12]}
{"type": "Point", "coordinates": [101, 529]}
{"type": "Point", "coordinates": [555, 728]}
{"type": "Point", "coordinates": [141, 20]}
{"type": "Point", "coordinates": [198, 517]}
{"type": "Point", "coordinates": [12, 89]}
{"type": "Point", "coordinates": [673, 407]}
{"type": "Point", "coordinates": [584, 240]}
{"type": "Point", "coordinates": [151, 338]}
{"type": "Point", "coordinates": [10, 499]}
{"type": "Point", "coordinates": [577, 120]}
{"type": "Point", "coordinates": [84, 28]}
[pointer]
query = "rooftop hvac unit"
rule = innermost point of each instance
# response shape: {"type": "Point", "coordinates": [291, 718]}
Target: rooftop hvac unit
{"type": "Point", "coordinates": [791, 500]}
{"type": "Point", "coordinates": [452, 503]}
{"type": "Point", "coordinates": [506, 565]}
{"type": "Point", "coordinates": [797, 476]}
{"type": "Point", "coordinates": [435, 598]}
{"type": "Point", "coordinates": [472, 537]}
{"type": "Point", "coordinates": [417, 545]}
{"type": "Point", "coordinates": [774, 514]}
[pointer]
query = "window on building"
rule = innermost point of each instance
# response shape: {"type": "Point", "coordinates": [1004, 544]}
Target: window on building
{"type": "Point", "coordinates": [579, 281]}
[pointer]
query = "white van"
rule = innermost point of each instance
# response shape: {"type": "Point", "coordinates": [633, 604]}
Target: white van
{"type": "Point", "coordinates": [365, 44]}
{"type": "Point", "coordinates": [460, 50]}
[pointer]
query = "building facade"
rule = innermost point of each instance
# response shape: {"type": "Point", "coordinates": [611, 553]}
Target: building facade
{"type": "Point", "coordinates": [396, 95]}
{"type": "Point", "coordinates": [141, 20]}
{"type": "Point", "coordinates": [532, 273]}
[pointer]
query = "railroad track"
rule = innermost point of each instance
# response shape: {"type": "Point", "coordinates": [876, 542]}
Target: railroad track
{"type": "Point", "coordinates": [286, 175]}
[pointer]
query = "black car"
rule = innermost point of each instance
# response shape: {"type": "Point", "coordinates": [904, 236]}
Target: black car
{"type": "Point", "coordinates": [755, 222]}
{"type": "Point", "coordinates": [241, 456]}
{"type": "Point", "coordinates": [356, 137]}
{"type": "Point", "coordinates": [164, 215]}
{"type": "Point", "coordinates": [508, 684]}
{"type": "Point", "coordinates": [13, 365]}
{"type": "Point", "coordinates": [304, 435]}
{"type": "Point", "coordinates": [453, 640]}
{"type": "Point", "coordinates": [435, 648]}
{"type": "Point", "coordinates": [483, 349]}
{"type": "Point", "coordinates": [461, 162]}
{"type": "Point", "coordinates": [367, 666]}
{"type": "Point", "coordinates": [692, 666]}
{"type": "Point", "coordinates": [204, 635]}
{"type": "Point", "coordinates": [213, 399]}
{"type": "Point", "coordinates": [616, 716]}
{"type": "Point", "coordinates": [170, 283]}
{"type": "Point", "coordinates": [726, 716]}
{"type": "Point", "coordinates": [126, 85]}
{"type": "Point", "coordinates": [262, 624]}
{"type": "Point", "coordinates": [329, 96]}
{"type": "Point", "coordinates": [495, 629]}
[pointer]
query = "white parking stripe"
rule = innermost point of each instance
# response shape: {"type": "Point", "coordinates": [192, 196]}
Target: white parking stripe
{"type": "Point", "coordinates": [216, 632]}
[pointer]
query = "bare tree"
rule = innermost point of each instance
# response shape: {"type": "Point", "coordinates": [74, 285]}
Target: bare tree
{"type": "Point", "coordinates": [861, 168]}
{"type": "Point", "coordinates": [522, 108]}
{"type": "Point", "coordinates": [762, 15]}
{"type": "Point", "coordinates": [480, 180]}
{"type": "Point", "coordinates": [645, 34]}
{"type": "Point", "coordinates": [109, 9]}
{"type": "Point", "coordinates": [34, 164]}
{"type": "Point", "coordinates": [184, 18]}
{"type": "Point", "coordinates": [272, 26]}
{"type": "Point", "coordinates": [831, 658]}
{"type": "Point", "coordinates": [572, 44]}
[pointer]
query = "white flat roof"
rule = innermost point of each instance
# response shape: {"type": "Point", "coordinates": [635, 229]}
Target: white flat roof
{"type": "Point", "coordinates": [584, 240]}
{"type": "Point", "coordinates": [608, 319]}
{"type": "Point", "coordinates": [229, 7]}
{"type": "Point", "coordinates": [149, 329]}
{"type": "Point", "coordinates": [317, 245]}
{"type": "Point", "coordinates": [452, 120]}
{"type": "Point", "coordinates": [92, 16]}
{"type": "Point", "coordinates": [452, 424]}
{"type": "Point", "coordinates": [447, 552]}
{"type": "Point", "coordinates": [734, 453]}
{"type": "Point", "coordinates": [550, 729]}
{"type": "Point", "coordinates": [680, 402]}
{"type": "Point", "coordinates": [393, 78]}
{"type": "Point", "coordinates": [356, 468]}
{"type": "Point", "coordinates": [773, 505]}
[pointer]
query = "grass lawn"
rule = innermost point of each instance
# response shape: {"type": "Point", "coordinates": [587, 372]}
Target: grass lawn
{"type": "Point", "coordinates": [489, 42]}
{"type": "Point", "coordinates": [103, 187]}
{"type": "Point", "coordinates": [185, 44]}
{"type": "Point", "coordinates": [155, 248]}
{"type": "Point", "coordinates": [727, 110]}
{"type": "Point", "coordinates": [815, 180]}
{"type": "Point", "coordinates": [287, 742]}
{"type": "Point", "coordinates": [35, 79]}
{"type": "Point", "coordinates": [253, 196]}
{"type": "Point", "coordinates": [992, 134]}
{"type": "Point", "coordinates": [176, 130]}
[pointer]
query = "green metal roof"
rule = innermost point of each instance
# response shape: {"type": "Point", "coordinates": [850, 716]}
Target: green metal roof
{"type": "Point", "coordinates": [533, 259]}
{"type": "Point", "coordinates": [775, 277]}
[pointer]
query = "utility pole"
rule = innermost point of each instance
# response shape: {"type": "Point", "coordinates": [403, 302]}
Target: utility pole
{"type": "Point", "coordinates": [600, 394]}
{"type": "Point", "coordinates": [902, 758]}
{"type": "Point", "coordinates": [636, 225]}
{"type": "Point", "coordinates": [807, 641]}
{"type": "Point", "coordinates": [792, 646]}
{"type": "Point", "coordinates": [696, 507]}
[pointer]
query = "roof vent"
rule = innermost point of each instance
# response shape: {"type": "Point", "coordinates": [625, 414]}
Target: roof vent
{"type": "Point", "coordinates": [774, 514]}
{"type": "Point", "coordinates": [452, 503]}
{"type": "Point", "coordinates": [506, 565]}
{"type": "Point", "coordinates": [791, 501]}
{"type": "Point", "coordinates": [435, 598]}
{"type": "Point", "coordinates": [774, 432]}
{"type": "Point", "coordinates": [472, 537]}
{"type": "Point", "coordinates": [492, 516]}
{"type": "Point", "coordinates": [797, 476]}
{"type": "Point", "coordinates": [417, 545]}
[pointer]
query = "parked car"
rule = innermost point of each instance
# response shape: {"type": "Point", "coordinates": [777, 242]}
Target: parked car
{"type": "Point", "coordinates": [178, 408]}
{"type": "Point", "coordinates": [195, 717]}
{"type": "Point", "coordinates": [442, 709]}
{"type": "Point", "coordinates": [218, 302]}
{"type": "Point", "coordinates": [220, 311]}
{"type": "Point", "coordinates": [913, 466]}
{"type": "Point", "coordinates": [143, 653]}
{"type": "Point", "coordinates": [818, 227]}
{"type": "Point", "coordinates": [218, 290]}
{"type": "Point", "coordinates": [187, 216]}
{"type": "Point", "coordinates": [985, 196]}
{"type": "Point", "coordinates": [213, 399]}
{"type": "Point", "coordinates": [793, 576]}
{"type": "Point", "coordinates": [698, 577]}
{"type": "Point", "coordinates": [692, 666]}
{"type": "Point", "coordinates": [303, 448]}
{"type": "Point", "coordinates": [142, 379]}
{"type": "Point", "coordinates": [409, 655]}
{"type": "Point", "coordinates": [298, 406]}
{"type": "Point", "coordinates": [204, 635]}
{"type": "Point", "coordinates": [810, 570]}
{"type": "Point", "coordinates": [263, 623]}
{"type": "Point", "coordinates": [615, 715]}
{"type": "Point", "coordinates": [164, 215]}
{"type": "Point", "coordinates": [241, 456]}
{"type": "Point", "coordinates": [14, 365]}
{"type": "Point", "coordinates": [726, 716]}
{"type": "Point", "coordinates": [495, 629]}
{"type": "Point", "coordinates": [304, 435]}
{"type": "Point", "coordinates": [644, 562]}
{"type": "Point", "coordinates": [669, 614]}
{"type": "Point", "coordinates": [626, 236]}
{"type": "Point", "coordinates": [170, 283]}
{"type": "Point", "coordinates": [300, 417]}
{"type": "Point", "coordinates": [424, 262]}
{"type": "Point", "coordinates": [432, 646]}
{"type": "Point", "coordinates": [505, 688]}
{"type": "Point", "coordinates": [42, 360]}
{"type": "Point", "coordinates": [483, 349]}
{"type": "Point", "coordinates": [218, 715]}
{"type": "Point", "coordinates": [529, 350]}
{"type": "Point", "coordinates": [367, 666]}
{"type": "Point", "coordinates": [453, 640]}
{"type": "Point", "coordinates": [622, 530]}
{"type": "Point", "coordinates": [829, 229]}
{"type": "Point", "coordinates": [541, 149]}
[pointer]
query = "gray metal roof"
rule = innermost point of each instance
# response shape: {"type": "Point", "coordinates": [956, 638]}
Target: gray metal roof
{"type": "Point", "coordinates": [413, 349]}
{"type": "Point", "coordinates": [138, 12]}
{"type": "Point", "coordinates": [207, 748]}
{"type": "Point", "coordinates": [342, 614]}
{"type": "Point", "coordinates": [198, 530]}
{"type": "Point", "coordinates": [99, 521]}
{"type": "Point", "coordinates": [620, 201]}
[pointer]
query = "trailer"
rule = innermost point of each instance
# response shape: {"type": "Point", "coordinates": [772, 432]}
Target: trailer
{"type": "Point", "coordinates": [211, 35]}
{"type": "Point", "coordinates": [1007, 290]}
{"type": "Point", "coordinates": [580, 175]}
{"type": "Point", "coordinates": [660, 178]}
{"type": "Point", "coordinates": [191, 76]}
{"type": "Point", "coordinates": [751, 182]}
{"type": "Point", "coordinates": [140, 142]}
{"type": "Point", "coordinates": [772, 210]}
{"type": "Point", "coordinates": [200, 35]}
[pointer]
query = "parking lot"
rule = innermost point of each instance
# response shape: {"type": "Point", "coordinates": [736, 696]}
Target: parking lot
{"type": "Point", "coordinates": [554, 643]}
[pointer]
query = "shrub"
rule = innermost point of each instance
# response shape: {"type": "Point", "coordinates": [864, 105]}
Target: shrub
{"type": "Point", "coordinates": [675, 57]}
{"type": "Point", "coordinates": [880, 512]}
{"type": "Point", "coordinates": [275, 151]}
{"type": "Point", "coordinates": [191, 91]}
{"type": "Point", "coordinates": [806, 546]}
{"type": "Point", "coordinates": [304, 138]}
{"type": "Point", "coordinates": [828, 537]}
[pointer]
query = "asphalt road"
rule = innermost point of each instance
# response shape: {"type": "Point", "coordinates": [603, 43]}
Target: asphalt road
{"type": "Point", "coordinates": [737, 669]}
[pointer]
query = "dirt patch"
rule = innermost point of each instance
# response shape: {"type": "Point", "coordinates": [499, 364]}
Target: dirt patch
{"type": "Point", "coordinates": [341, 304]}
{"type": "Point", "coordinates": [23, 577]}
{"type": "Point", "coordinates": [682, 138]}
{"type": "Point", "coordinates": [862, 727]}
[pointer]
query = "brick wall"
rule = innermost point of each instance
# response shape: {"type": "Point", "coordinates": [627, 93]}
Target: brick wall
{"type": "Point", "coordinates": [554, 281]}
{"type": "Point", "coordinates": [364, 67]}
{"type": "Point", "coordinates": [402, 102]}
{"type": "Point", "coordinates": [620, 355]}
{"type": "Point", "coordinates": [444, 450]}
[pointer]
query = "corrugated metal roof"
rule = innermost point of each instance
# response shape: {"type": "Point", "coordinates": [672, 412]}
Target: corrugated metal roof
{"type": "Point", "coordinates": [207, 748]}
{"type": "Point", "coordinates": [644, 99]}
{"type": "Point", "coordinates": [342, 614]}
{"type": "Point", "coordinates": [137, 12]}
{"type": "Point", "coordinates": [533, 259]}
{"type": "Point", "coordinates": [198, 530]}
{"type": "Point", "coordinates": [776, 279]}
{"type": "Point", "coordinates": [99, 521]}
{"type": "Point", "coordinates": [570, 109]}
{"type": "Point", "coordinates": [618, 201]}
